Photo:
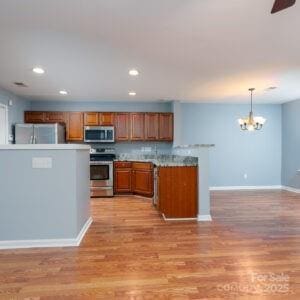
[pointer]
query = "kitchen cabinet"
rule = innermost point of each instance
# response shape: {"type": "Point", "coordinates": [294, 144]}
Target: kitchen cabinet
{"type": "Point", "coordinates": [178, 192]}
{"type": "Point", "coordinates": [165, 127]}
{"type": "Point", "coordinates": [142, 178]}
{"type": "Point", "coordinates": [133, 177]}
{"type": "Point", "coordinates": [122, 178]}
{"type": "Point", "coordinates": [106, 119]}
{"type": "Point", "coordinates": [75, 126]}
{"type": "Point", "coordinates": [151, 126]}
{"type": "Point", "coordinates": [135, 126]}
{"type": "Point", "coordinates": [34, 117]}
{"type": "Point", "coordinates": [122, 126]}
{"type": "Point", "coordinates": [99, 119]}
{"type": "Point", "coordinates": [137, 131]}
{"type": "Point", "coordinates": [55, 117]}
{"type": "Point", "coordinates": [91, 118]}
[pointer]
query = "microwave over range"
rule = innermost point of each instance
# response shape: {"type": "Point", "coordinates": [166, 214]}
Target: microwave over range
{"type": "Point", "coordinates": [99, 134]}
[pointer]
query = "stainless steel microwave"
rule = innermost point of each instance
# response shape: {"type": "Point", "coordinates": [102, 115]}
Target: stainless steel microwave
{"type": "Point", "coordinates": [99, 134]}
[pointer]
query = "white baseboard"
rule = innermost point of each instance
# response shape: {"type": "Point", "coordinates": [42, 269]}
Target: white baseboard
{"type": "Point", "coordinates": [47, 242]}
{"type": "Point", "coordinates": [204, 218]}
{"type": "Point", "coordinates": [246, 187]}
{"type": "Point", "coordinates": [291, 189]}
{"type": "Point", "coordinates": [178, 219]}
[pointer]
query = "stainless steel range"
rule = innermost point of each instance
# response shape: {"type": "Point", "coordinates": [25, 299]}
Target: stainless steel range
{"type": "Point", "coordinates": [101, 172]}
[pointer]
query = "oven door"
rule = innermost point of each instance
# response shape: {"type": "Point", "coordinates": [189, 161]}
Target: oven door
{"type": "Point", "coordinates": [101, 174]}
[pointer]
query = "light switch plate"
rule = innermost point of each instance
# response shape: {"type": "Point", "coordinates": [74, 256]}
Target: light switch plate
{"type": "Point", "coordinates": [41, 162]}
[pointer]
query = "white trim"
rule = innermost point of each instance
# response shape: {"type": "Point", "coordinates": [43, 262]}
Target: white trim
{"type": "Point", "coordinates": [178, 219]}
{"type": "Point", "coordinates": [291, 189]}
{"type": "Point", "coordinates": [254, 187]}
{"type": "Point", "coordinates": [47, 242]}
{"type": "Point", "coordinates": [204, 218]}
{"type": "Point", "coordinates": [6, 123]}
{"type": "Point", "coordinates": [44, 147]}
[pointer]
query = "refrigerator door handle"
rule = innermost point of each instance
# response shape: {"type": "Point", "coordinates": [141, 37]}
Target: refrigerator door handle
{"type": "Point", "coordinates": [31, 139]}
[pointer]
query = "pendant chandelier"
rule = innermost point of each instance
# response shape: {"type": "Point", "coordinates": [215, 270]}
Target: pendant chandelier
{"type": "Point", "coordinates": [251, 122]}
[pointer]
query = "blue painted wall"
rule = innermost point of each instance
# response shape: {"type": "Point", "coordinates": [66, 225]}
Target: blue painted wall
{"type": "Point", "coordinates": [291, 144]}
{"type": "Point", "coordinates": [16, 111]}
{"type": "Point", "coordinates": [258, 154]}
{"type": "Point", "coordinates": [102, 106]}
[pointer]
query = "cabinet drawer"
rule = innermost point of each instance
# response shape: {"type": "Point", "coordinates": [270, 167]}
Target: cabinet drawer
{"type": "Point", "coordinates": [123, 164]}
{"type": "Point", "coordinates": [142, 166]}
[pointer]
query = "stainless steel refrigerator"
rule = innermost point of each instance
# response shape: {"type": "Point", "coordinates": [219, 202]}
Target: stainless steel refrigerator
{"type": "Point", "coordinates": [40, 134]}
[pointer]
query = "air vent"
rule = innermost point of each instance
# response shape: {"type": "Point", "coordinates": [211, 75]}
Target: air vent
{"type": "Point", "coordinates": [21, 84]}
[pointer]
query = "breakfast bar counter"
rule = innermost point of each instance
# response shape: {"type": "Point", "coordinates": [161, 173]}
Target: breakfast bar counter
{"type": "Point", "coordinates": [44, 195]}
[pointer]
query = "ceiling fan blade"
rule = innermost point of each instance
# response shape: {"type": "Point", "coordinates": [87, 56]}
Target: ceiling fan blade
{"type": "Point", "coordinates": [282, 4]}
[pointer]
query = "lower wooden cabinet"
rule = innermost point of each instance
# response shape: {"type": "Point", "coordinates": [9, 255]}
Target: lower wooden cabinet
{"type": "Point", "coordinates": [142, 179]}
{"type": "Point", "coordinates": [133, 178]}
{"type": "Point", "coordinates": [122, 178]}
{"type": "Point", "coordinates": [178, 192]}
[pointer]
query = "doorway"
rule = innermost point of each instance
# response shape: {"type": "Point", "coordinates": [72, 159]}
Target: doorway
{"type": "Point", "coordinates": [3, 124]}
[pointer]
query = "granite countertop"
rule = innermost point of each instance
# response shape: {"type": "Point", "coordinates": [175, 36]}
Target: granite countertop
{"type": "Point", "coordinates": [160, 160]}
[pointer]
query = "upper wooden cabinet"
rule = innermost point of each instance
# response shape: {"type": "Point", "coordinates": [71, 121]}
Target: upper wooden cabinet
{"type": "Point", "coordinates": [137, 127]}
{"type": "Point", "coordinates": [91, 119]}
{"type": "Point", "coordinates": [55, 117]}
{"type": "Point", "coordinates": [122, 125]}
{"type": "Point", "coordinates": [151, 126]}
{"type": "Point", "coordinates": [102, 118]}
{"type": "Point", "coordinates": [106, 119]}
{"type": "Point", "coordinates": [75, 126]}
{"type": "Point", "coordinates": [165, 127]}
{"type": "Point", "coordinates": [34, 117]}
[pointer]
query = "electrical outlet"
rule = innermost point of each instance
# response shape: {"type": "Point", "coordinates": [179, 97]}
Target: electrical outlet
{"type": "Point", "coordinates": [41, 162]}
{"type": "Point", "coordinates": [245, 176]}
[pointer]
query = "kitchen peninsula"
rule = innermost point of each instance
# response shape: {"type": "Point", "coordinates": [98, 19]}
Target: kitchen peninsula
{"type": "Point", "coordinates": [45, 197]}
{"type": "Point", "coordinates": [170, 179]}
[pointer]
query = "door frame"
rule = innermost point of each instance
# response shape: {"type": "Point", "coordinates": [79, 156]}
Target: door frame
{"type": "Point", "coordinates": [6, 122]}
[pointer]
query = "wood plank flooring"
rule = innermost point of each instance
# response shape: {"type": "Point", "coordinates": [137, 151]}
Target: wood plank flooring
{"type": "Point", "coordinates": [250, 251]}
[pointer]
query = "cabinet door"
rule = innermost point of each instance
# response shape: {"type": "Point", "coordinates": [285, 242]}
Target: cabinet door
{"type": "Point", "coordinates": [122, 122]}
{"type": "Point", "coordinates": [142, 178]}
{"type": "Point", "coordinates": [91, 119]}
{"type": "Point", "coordinates": [178, 192]}
{"type": "Point", "coordinates": [75, 126]}
{"type": "Point", "coordinates": [166, 127]}
{"type": "Point", "coordinates": [142, 182]}
{"type": "Point", "coordinates": [122, 181]}
{"type": "Point", "coordinates": [106, 119]}
{"type": "Point", "coordinates": [55, 117]}
{"type": "Point", "coordinates": [34, 117]}
{"type": "Point", "coordinates": [151, 126]}
{"type": "Point", "coordinates": [137, 132]}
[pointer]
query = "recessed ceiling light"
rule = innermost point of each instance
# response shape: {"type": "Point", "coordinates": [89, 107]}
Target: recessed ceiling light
{"type": "Point", "coordinates": [132, 93]}
{"type": "Point", "coordinates": [63, 92]}
{"type": "Point", "coordinates": [38, 70]}
{"type": "Point", "coordinates": [133, 72]}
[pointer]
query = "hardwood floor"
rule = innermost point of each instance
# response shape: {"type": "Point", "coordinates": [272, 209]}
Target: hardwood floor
{"type": "Point", "coordinates": [250, 251]}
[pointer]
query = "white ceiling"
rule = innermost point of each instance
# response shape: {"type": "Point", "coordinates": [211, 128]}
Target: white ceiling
{"type": "Point", "coordinates": [189, 50]}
